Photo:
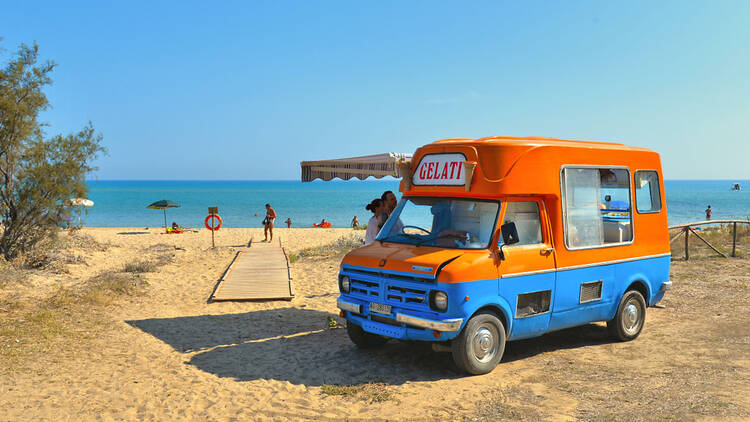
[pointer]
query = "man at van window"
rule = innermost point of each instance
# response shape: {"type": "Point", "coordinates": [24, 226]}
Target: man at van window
{"type": "Point", "coordinates": [390, 201]}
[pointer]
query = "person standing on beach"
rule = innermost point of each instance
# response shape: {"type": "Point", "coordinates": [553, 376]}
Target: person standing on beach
{"type": "Point", "coordinates": [288, 223]}
{"type": "Point", "coordinates": [355, 221]}
{"type": "Point", "coordinates": [708, 213]}
{"type": "Point", "coordinates": [268, 222]}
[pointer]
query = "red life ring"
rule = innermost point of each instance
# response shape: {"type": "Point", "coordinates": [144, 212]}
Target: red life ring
{"type": "Point", "coordinates": [210, 217]}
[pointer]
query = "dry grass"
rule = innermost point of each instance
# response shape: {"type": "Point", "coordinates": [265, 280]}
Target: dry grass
{"type": "Point", "coordinates": [514, 404]}
{"type": "Point", "coordinates": [139, 267]}
{"type": "Point", "coordinates": [52, 255]}
{"type": "Point", "coordinates": [720, 236]}
{"type": "Point", "coordinates": [30, 329]}
{"type": "Point", "coordinates": [339, 247]}
{"type": "Point", "coordinates": [10, 274]}
{"type": "Point", "coordinates": [375, 392]}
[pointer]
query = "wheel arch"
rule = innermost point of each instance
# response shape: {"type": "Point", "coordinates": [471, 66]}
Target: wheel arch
{"type": "Point", "coordinates": [641, 287]}
{"type": "Point", "coordinates": [499, 312]}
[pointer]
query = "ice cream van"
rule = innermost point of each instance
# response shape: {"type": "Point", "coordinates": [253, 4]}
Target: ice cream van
{"type": "Point", "coordinates": [500, 239]}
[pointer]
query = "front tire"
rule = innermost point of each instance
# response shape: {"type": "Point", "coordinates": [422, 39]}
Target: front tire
{"type": "Point", "coordinates": [480, 345]}
{"type": "Point", "coordinates": [630, 317]}
{"type": "Point", "coordinates": [362, 339]}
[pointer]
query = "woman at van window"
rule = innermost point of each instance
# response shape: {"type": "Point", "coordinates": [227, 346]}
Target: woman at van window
{"type": "Point", "coordinates": [373, 226]}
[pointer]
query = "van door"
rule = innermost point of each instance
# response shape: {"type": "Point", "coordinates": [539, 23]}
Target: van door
{"type": "Point", "coordinates": [527, 275]}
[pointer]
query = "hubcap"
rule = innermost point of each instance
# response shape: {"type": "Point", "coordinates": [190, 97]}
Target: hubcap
{"type": "Point", "coordinates": [484, 343]}
{"type": "Point", "coordinates": [631, 317]}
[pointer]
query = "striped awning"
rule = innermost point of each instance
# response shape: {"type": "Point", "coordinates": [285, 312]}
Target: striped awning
{"type": "Point", "coordinates": [378, 165]}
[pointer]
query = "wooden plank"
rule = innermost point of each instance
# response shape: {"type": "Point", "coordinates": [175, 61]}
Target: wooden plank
{"type": "Point", "coordinates": [259, 272]}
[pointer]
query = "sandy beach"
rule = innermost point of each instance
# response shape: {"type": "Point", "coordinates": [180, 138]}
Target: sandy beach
{"type": "Point", "coordinates": [167, 353]}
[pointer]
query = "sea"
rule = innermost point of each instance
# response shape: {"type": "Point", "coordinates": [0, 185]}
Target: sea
{"type": "Point", "coordinates": [120, 203]}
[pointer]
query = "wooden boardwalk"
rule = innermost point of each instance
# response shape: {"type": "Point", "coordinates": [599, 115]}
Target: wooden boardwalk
{"type": "Point", "coordinates": [258, 272]}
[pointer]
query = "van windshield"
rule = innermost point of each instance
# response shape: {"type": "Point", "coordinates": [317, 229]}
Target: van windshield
{"type": "Point", "coordinates": [443, 222]}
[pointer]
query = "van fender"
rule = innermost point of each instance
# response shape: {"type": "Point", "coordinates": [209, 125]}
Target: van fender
{"type": "Point", "coordinates": [496, 304]}
{"type": "Point", "coordinates": [638, 281]}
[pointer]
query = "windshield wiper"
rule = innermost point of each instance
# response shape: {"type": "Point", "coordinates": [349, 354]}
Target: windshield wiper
{"type": "Point", "coordinates": [423, 241]}
{"type": "Point", "coordinates": [409, 235]}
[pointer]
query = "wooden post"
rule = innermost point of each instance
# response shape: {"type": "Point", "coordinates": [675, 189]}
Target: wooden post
{"type": "Point", "coordinates": [213, 211]}
{"type": "Point", "coordinates": [734, 237]}
{"type": "Point", "coordinates": [687, 250]}
{"type": "Point", "coordinates": [708, 244]}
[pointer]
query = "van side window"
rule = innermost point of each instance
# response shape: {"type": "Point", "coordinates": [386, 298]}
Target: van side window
{"type": "Point", "coordinates": [526, 216]}
{"type": "Point", "coordinates": [647, 195]}
{"type": "Point", "coordinates": [596, 206]}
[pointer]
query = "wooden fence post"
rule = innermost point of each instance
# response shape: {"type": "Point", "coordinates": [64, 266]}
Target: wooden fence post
{"type": "Point", "coordinates": [734, 237]}
{"type": "Point", "coordinates": [687, 250]}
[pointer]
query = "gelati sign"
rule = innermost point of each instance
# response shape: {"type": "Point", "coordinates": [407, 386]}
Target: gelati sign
{"type": "Point", "coordinates": [440, 170]}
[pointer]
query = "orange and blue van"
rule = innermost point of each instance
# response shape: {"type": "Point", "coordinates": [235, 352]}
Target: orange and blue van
{"type": "Point", "coordinates": [503, 238]}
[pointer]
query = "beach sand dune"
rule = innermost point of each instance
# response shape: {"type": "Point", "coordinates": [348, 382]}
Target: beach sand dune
{"type": "Point", "coordinates": [170, 354]}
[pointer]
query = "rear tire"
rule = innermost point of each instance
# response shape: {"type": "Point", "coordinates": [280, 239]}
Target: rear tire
{"type": "Point", "coordinates": [630, 317]}
{"type": "Point", "coordinates": [362, 338]}
{"type": "Point", "coordinates": [480, 345]}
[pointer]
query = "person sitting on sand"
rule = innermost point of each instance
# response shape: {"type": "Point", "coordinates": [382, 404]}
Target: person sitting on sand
{"type": "Point", "coordinates": [373, 226]}
{"type": "Point", "coordinates": [176, 228]}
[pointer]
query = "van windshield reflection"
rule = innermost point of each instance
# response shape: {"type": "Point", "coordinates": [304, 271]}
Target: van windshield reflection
{"type": "Point", "coordinates": [455, 223]}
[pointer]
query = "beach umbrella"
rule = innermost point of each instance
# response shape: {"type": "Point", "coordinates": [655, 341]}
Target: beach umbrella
{"type": "Point", "coordinates": [163, 205]}
{"type": "Point", "coordinates": [79, 202]}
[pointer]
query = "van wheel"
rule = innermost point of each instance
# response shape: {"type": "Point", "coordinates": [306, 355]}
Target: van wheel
{"type": "Point", "coordinates": [630, 317]}
{"type": "Point", "coordinates": [362, 338]}
{"type": "Point", "coordinates": [480, 346]}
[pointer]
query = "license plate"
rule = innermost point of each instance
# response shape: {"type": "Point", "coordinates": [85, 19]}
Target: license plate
{"type": "Point", "coordinates": [380, 309]}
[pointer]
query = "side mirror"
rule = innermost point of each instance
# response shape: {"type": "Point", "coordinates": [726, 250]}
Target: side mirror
{"type": "Point", "coordinates": [510, 236]}
{"type": "Point", "coordinates": [510, 233]}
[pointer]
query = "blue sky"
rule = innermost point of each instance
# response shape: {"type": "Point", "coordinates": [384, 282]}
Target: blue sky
{"type": "Point", "coordinates": [246, 90]}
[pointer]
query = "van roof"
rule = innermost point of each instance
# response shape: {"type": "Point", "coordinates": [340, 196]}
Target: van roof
{"type": "Point", "coordinates": [536, 141]}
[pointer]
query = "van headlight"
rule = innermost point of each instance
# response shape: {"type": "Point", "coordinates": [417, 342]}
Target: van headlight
{"type": "Point", "coordinates": [439, 301]}
{"type": "Point", "coordinates": [344, 285]}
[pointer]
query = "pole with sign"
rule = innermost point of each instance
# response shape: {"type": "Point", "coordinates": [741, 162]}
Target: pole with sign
{"type": "Point", "coordinates": [213, 215]}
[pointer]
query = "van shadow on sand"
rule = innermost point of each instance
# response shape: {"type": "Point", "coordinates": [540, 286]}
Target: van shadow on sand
{"type": "Point", "coordinates": [265, 345]}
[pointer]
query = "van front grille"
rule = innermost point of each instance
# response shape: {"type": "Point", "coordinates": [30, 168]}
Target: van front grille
{"type": "Point", "coordinates": [400, 292]}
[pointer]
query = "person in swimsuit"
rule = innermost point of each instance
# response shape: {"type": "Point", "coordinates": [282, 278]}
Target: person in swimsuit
{"type": "Point", "coordinates": [270, 218]}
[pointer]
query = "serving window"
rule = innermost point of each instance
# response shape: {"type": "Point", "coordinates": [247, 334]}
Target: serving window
{"type": "Point", "coordinates": [597, 207]}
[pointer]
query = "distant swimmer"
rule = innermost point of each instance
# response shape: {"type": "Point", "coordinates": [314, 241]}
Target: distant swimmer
{"type": "Point", "coordinates": [708, 213]}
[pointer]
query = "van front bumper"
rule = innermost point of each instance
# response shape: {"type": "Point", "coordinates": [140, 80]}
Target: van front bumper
{"type": "Point", "coordinates": [437, 325]}
{"type": "Point", "coordinates": [443, 325]}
